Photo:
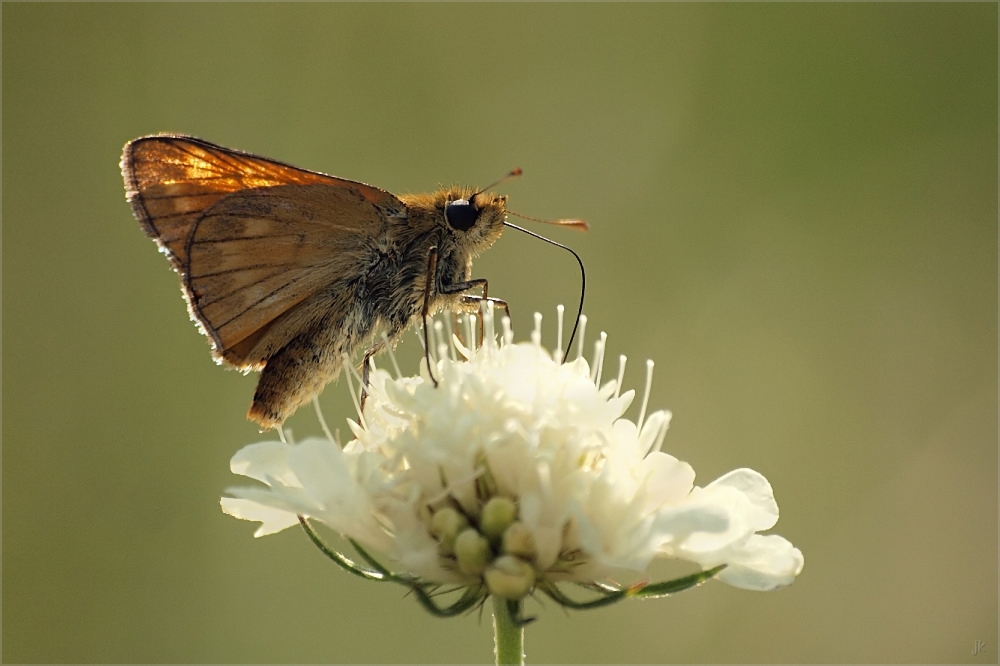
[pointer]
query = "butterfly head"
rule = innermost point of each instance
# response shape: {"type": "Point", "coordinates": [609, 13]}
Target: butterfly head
{"type": "Point", "coordinates": [475, 218]}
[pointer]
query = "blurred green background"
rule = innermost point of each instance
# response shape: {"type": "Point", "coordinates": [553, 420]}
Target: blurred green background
{"type": "Point", "coordinates": [794, 213]}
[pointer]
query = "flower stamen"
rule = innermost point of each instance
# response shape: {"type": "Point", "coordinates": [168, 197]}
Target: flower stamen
{"type": "Point", "coordinates": [508, 330]}
{"type": "Point", "coordinates": [621, 375]}
{"type": "Point", "coordinates": [536, 333]}
{"type": "Point", "coordinates": [450, 333]}
{"type": "Point", "coordinates": [322, 421]}
{"type": "Point", "coordinates": [392, 355]}
{"type": "Point", "coordinates": [645, 394]}
{"type": "Point", "coordinates": [440, 343]}
{"type": "Point", "coordinates": [599, 347]}
{"type": "Point", "coordinates": [350, 374]}
{"type": "Point", "coordinates": [470, 320]}
{"type": "Point", "coordinates": [557, 353]}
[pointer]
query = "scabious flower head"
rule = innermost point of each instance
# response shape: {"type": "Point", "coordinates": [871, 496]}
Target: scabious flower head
{"type": "Point", "coordinates": [516, 471]}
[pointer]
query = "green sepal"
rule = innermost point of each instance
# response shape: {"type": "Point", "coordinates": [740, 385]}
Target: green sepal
{"type": "Point", "coordinates": [375, 564]}
{"type": "Point", "coordinates": [472, 597]}
{"type": "Point", "coordinates": [341, 560]}
{"type": "Point", "coordinates": [557, 595]}
{"type": "Point", "coordinates": [666, 588]}
{"type": "Point", "coordinates": [610, 594]}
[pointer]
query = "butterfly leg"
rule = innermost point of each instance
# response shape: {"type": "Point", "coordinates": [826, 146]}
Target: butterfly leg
{"type": "Point", "coordinates": [452, 289]}
{"type": "Point", "coordinates": [432, 262]}
{"type": "Point", "coordinates": [460, 287]}
{"type": "Point", "coordinates": [477, 301]}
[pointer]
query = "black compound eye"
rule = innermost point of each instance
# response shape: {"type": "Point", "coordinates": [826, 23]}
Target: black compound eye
{"type": "Point", "coordinates": [461, 215]}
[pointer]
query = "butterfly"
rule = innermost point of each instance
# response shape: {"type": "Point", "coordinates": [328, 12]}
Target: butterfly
{"type": "Point", "coordinates": [287, 270]}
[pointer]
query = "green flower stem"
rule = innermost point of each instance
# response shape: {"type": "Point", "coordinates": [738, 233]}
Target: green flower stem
{"type": "Point", "coordinates": [508, 632]}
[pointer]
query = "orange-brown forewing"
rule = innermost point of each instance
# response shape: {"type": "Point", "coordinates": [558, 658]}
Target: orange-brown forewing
{"type": "Point", "coordinates": [252, 238]}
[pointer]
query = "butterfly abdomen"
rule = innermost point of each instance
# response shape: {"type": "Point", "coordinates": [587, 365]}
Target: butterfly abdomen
{"type": "Point", "coordinates": [351, 312]}
{"type": "Point", "coordinates": [298, 371]}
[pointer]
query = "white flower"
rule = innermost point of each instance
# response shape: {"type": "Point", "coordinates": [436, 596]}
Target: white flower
{"type": "Point", "coordinates": [515, 469]}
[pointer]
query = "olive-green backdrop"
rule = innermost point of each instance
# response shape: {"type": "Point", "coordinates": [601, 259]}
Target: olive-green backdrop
{"type": "Point", "coordinates": [793, 211]}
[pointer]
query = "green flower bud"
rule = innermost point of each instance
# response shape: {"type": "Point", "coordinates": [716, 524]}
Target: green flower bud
{"type": "Point", "coordinates": [498, 513]}
{"type": "Point", "coordinates": [472, 551]}
{"type": "Point", "coordinates": [445, 526]}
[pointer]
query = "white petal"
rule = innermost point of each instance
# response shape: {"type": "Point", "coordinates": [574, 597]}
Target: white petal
{"type": "Point", "coordinates": [757, 490]}
{"type": "Point", "coordinates": [670, 479]}
{"type": "Point", "coordinates": [262, 460]}
{"type": "Point", "coordinates": [272, 520]}
{"type": "Point", "coordinates": [765, 563]}
{"type": "Point", "coordinates": [680, 525]}
{"type": "Point", "coordinates": [289, 499]}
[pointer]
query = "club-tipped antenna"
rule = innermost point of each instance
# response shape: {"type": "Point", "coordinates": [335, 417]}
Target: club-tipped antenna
{"type": "Point", "coordinates": [579, 225]}
{"type": "Point", "coordinates": [583, 273]}
{"type": "Point", "coordinates": [514, 173]}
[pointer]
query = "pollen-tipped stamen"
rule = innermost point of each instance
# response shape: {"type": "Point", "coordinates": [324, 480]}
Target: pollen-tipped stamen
{"type": "Point", "coordinates": [621, 375]}
{"type": "Point", "coordinates": [583, 336]}
{"type": "Point", "coordinates": [645, 394]}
